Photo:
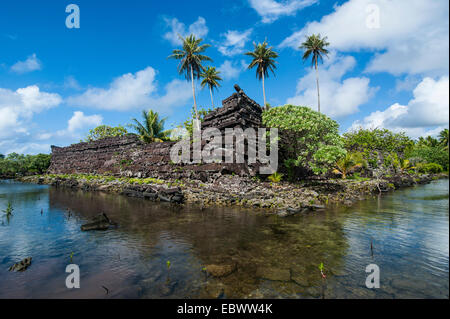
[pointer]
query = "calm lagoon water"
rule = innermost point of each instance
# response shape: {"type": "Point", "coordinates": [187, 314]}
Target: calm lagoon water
{"type": "Point", "coordinates": [275, 257]}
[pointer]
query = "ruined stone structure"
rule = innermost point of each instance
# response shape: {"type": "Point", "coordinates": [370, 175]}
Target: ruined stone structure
{"type": "Point", "coordinates": [128, 156]}
{"type": "Point", "coordinates": [238, 110]}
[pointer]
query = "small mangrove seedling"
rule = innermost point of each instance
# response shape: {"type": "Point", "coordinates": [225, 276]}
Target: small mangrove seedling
{"type": "Point", "coordinates": [323, 279]}
{"type": "Point", "coordinates": [9, 209]}
{"type": "Point", "coordinates": [321, 271]}
{"type": "Point", "coordinates": [71, 256]}
{"type": "Point", "coordinates": [168, 265]}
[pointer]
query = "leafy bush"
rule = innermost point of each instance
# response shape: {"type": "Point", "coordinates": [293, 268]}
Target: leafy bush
{"type": "Point", "coordinates": [308, 140]}
{"type": "Point", "coordinates": [429, 168]}
{"type": "Point", "coordinates": [377, 140]}
{"type": "Point", "coordinates": [379, 144]}
{"type": "Point", "coordinates": [430, 154]}
{"type": "Point", "coordinates": [104, 131]}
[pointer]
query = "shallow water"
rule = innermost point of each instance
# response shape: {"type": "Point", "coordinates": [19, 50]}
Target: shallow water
{"type": "Point", "coordinates": [275, 257]}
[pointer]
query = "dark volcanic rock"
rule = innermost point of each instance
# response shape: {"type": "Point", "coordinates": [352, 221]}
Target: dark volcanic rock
{"type": "Point", "coordinates": [21, 265]}
{"type": "Point", "coordinates": [100, 222]}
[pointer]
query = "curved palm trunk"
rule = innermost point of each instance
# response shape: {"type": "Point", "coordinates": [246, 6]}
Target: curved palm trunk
{"type": "Point", "coordinates": [318, 91]}
{"type": "Point", "coordinates": [193, 93]}
{"type": "Point", "coordinates": [264, 91]}
{"type": "Point", "coordinates": [212, 100]}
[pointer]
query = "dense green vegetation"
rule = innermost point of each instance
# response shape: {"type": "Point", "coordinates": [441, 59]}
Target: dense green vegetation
{"type": "Point", "coordinates": [396, 152]}
{"type": "Point", "coordinates": [152, 127]}
{"type": "Point", "coordinates": [310, 144]}
{"type": "Point", "coordinates": [18, 164]}
{"type": "Point", "coordinates": [104, 131]}
{"type": "Point", "coordinates": [310, 141]}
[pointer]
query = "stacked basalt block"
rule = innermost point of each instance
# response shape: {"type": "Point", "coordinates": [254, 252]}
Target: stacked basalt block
{"type": "Point", "coordinates": [237, 111]}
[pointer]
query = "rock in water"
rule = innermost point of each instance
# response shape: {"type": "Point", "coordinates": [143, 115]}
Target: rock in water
{"type": "Point", "coordinates": [21, 265]}
{"type": "Point", "coordinates": [100, 222]}
{"type": "Point", "coordinates": [221, 270]}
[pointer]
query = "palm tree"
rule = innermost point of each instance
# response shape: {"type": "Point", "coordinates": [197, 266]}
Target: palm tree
{"type": "Point", "coordinates": [429, 141]}
{"type": "Point", "coordinates": [211, 78]}
{"type": "Point", "coordinates": [152, 128]}
{"type": "Point", "coordinates": [443, 138]}
{"type": "Point", "coordinates": [348, 163]}
{"type": "Point", "coordinates": [191, 59]}
{"type": "Point", "coordinates": [264, 61]}
{"type": "Point", "coordinates": [314, 46]}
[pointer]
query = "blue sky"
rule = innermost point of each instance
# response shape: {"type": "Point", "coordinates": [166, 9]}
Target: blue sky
{"type": "Point", "coordinates": [388, 65]}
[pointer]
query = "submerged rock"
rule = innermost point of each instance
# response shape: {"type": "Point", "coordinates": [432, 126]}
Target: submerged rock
{"type": "Point", "coordinates": [273, 274]}
{"type": "Point", "coordinates": [21, 265]}
{"type": "Point", "coordinates": [100, 222]}
{"type": "Point", "coordinates": [168, 288]}
{"type": "Point", "coordinates": [220, 270]}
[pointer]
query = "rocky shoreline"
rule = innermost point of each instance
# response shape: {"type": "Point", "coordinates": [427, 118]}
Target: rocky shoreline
{"type": "Point", "coordinates": [283, 198]}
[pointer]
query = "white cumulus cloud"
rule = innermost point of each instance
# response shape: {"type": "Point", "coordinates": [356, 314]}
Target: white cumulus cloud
{"type": "Point", "coordinates": [131, 91]}
{"type": "Point", "coordinates": [408, 36]}
{"type": "Point", "coordinates": [338, 96]}
{"type": "Point", "coordinates": [426, 113]}
{"type": "Point", "coordinates": [32, 63]}
{"type": "Point", "coordinates": [17, 109]}
{"type": "Point", "coordinates": [79, 121]}
{"type": "Point", "coordinates": [271, 10]}
{"type": "Point", "coordinates": [230, 70]}
{"type": "Point", "coordinates": [234, 42]}
{"type": "Point", "coordinates": [198, 28]}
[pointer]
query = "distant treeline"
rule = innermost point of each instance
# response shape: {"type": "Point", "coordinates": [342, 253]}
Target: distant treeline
{"type": "Point", "coordinates": [18, 164]}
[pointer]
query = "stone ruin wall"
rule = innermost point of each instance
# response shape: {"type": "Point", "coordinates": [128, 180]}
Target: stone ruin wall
{"type": "Point", "coordinates": [128, 156]}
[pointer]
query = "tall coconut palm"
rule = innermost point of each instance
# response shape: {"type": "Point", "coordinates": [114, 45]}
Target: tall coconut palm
{"type": "Point", "coordinates": [211, 79]}
{"type": "Point", "coordinates": [314, 47]}
{"type": "Point", "coordinates": [264, 61]}
{"type": "Point", "coordinates": [191, 58]}
{"type": "Point", "coordinates": [152, 127]}
{"type": "Point", "coordinates": [443, 138]}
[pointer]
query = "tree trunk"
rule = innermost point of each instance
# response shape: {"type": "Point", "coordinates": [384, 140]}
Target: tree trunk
{"type": "Point", "coordinates": [193, 94]}
{"type": "Point", "coordinates": [212, 100]}
{"type": "Point", "coordinates": [318, 91]}
{"type": "Point", "coordinates": [264, 90]}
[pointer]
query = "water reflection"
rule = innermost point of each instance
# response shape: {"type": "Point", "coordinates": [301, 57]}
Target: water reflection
{"type": "Point", "coordinates": [275, 257]}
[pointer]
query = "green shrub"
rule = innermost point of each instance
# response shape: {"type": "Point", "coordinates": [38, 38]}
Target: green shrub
{"type": "Point", "coordinates": [308, 140]}
{"type": "Point", "coordinates": [275, 177]}
{"type": "Point", "coordinates": [104, 131]}
{"type": "Point", "coordinates": [429, 168]}
{"type": "Point", "coordinates": [377, 140]}
{"type": "Point", "coordinates": [430, 154]}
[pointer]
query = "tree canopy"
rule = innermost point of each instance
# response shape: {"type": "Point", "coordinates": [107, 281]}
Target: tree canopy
{"type": "Point", "coordinates": [309, 140]}
{"type": "Point", "coordinates": [104, 131]}
{"type": "Point", "coordinates": [152, 127]}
